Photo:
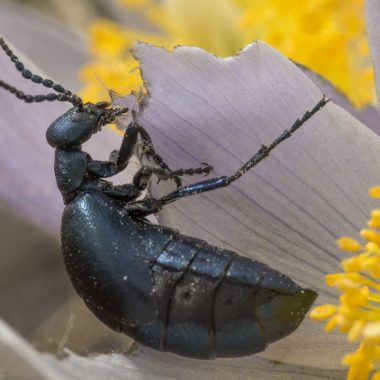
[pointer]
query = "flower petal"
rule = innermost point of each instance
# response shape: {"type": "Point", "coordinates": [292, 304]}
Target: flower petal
{"type": "Point", "coordinates": [32, 276]}
{"type": "Point", "coordinates": [368, 115]}
{"type": "Point", "coordinates": [22, 359]}
{"type": "Point", "coordinates": [372, 11]}
{"type": "Point", "coordinates": [57, 50]}
{"type": "Point", "coordinates": [291, 208]}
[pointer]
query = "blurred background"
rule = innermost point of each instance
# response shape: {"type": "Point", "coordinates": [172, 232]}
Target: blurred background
{"type": "Point", "coordinates": [327, 36]}
{"type": "Point", "coordinates": [86, 46]}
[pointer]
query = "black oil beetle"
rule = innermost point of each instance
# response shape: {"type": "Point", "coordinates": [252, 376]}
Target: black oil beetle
{"type": "Point", "coordinates": [168, 291]}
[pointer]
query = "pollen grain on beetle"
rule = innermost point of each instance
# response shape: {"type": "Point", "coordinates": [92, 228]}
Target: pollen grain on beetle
{"type": "Point", "coordinates": [358, 314]}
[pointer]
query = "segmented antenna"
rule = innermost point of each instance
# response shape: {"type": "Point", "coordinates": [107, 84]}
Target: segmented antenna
{"type": "Point", "coordinates": [63, 94]}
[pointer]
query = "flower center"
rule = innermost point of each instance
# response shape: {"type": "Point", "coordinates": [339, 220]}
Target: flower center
{"type": "Point", "coordinates": [358, 314]}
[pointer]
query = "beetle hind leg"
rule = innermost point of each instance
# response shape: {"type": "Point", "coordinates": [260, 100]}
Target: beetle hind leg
{"type": "Point", "coordinates": [262, 153]}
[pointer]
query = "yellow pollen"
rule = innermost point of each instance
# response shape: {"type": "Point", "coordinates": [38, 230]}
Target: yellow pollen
{"type": "Point", "coordinates": [370, 235]}
{"type": "Point", "coordinates": [355, 331]}
{"type": "Point", "coordinates": [372, 247]}
{"type": "Point", "coordinates": [353, 264]}
{"type": "Point", "coordinates": [321, 34]}
{"type": "Point", "coordinates": [331, 324]}
{"type": "Point", "coordinates": [358, 313]}
{"type": "Point", "coordinates": [374, 192]}
{"type": "Point", "coordinates": [348, 244]}
{"type": "Point", "coordinates": [341, 281]}
{"type": "Point", "coordinates": [372, 330]}
{"type": "Point", "coordinates": [323, 312]}
{"type": "Point", "coordinates": [374, 223]}
{"type": "Point", "coordinates": [356, 299]}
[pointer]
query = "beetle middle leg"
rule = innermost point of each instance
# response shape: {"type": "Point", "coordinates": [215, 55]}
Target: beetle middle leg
{"type": "Point", "coordinates": [158, 160]}
{"type": "Point", "coordinates": [119, 160]}
{"type": "Point", "coordinates": [205, 169]}
{"type": "Point", "coordinates": [150, 152]}
{"type": "Point", "coordinates": [142, 177]}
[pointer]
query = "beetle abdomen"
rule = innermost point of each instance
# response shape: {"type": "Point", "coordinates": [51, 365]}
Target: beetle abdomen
{"type": "Point", "coordinates": [172, 292]}
{"type": "Point", "coordinates": [215, 303]}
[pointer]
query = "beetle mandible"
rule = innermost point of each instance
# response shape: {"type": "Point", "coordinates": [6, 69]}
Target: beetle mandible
{"type": "Point", "coordinates": [168, 291]}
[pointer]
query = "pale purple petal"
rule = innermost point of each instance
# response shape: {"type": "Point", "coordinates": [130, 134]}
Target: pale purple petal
{"type": "Point", "coordinates": [288, 211]}
{"type": "Point", "coordinates": [32, 276]}
{"type": "Point", "coordinates": [372, 9]}
{"type": "Point", "coordinates": [368, 115]}
{"type": "Point", "coordinates": [22, 359]}
{"type": "Point", "coordinates": [56, 50]}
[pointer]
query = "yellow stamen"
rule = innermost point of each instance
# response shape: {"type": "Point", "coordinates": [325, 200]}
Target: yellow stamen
{"type": "Point", "coordinates": [355, 331]}
{"type": "Point", "coordinates": [331, 324]}
{"type": "Point", "coordinates": [374, 192]}
{"type": "Point", "coordinates": [224, 27]}
{"type": "Point", "coordinates": [341, 281]}
{"type": "Point", "coordinates": [348, 244]}
{"type": "Point", "coordinates": [370, 235]}
{"type": "Point", "coordinates": [372, 330]}
{"type": "Point", "coordinates": [323, 312]}
{"type": "Point", "coordinates": [372, 247]}
{"type": "Point", "coordinates": [356, 299]}
{"type": "Point", "coordinates": [374, 223]}
{"type": "Point", "coordinates": [358, 314]}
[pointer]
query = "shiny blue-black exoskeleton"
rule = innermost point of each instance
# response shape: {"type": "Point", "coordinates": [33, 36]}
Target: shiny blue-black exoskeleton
{"type": "Point", "coordinates": [168, 291]}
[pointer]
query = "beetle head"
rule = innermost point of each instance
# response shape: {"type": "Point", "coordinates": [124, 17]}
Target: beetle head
{"type": "Point", "coordinates": [77, 125]}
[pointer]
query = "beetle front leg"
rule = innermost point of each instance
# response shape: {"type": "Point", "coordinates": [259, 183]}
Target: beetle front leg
{"type": "Point", "coordinates": [105, 169]}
